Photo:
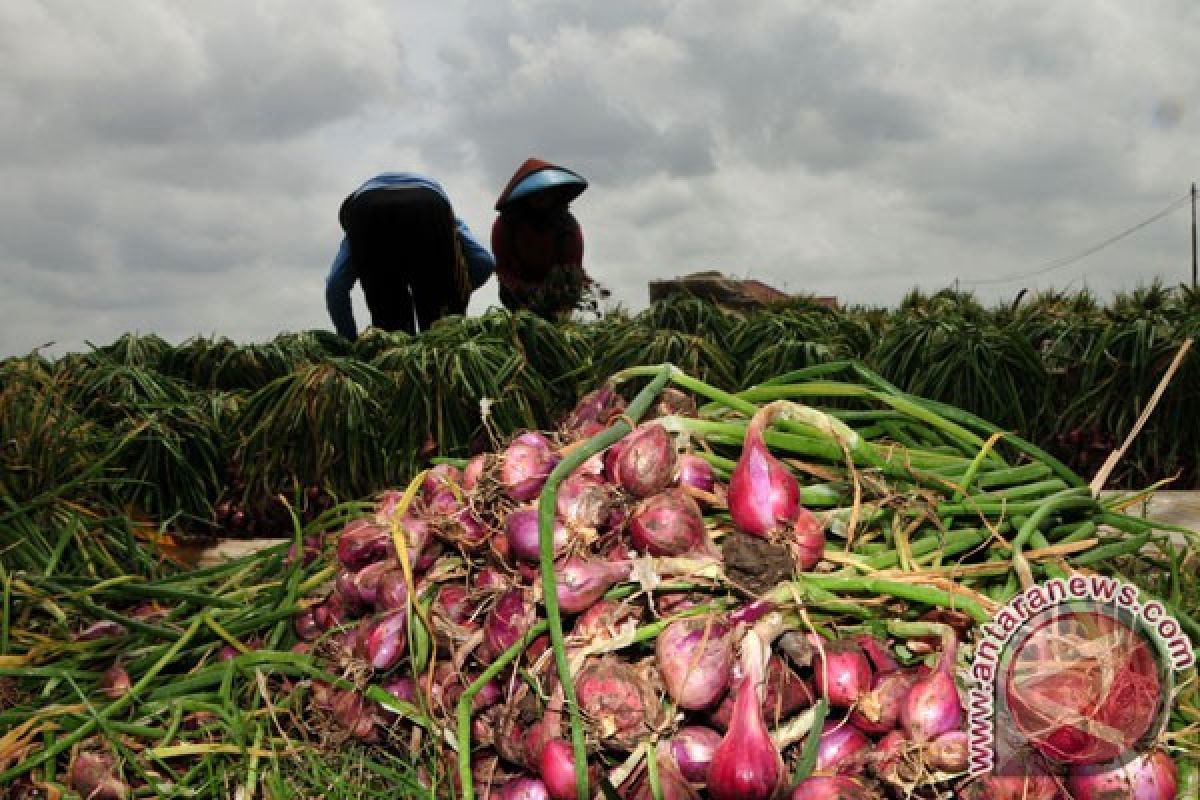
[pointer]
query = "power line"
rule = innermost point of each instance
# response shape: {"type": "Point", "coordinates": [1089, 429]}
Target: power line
{"type": "Point", "coordinates": [1059, 263]}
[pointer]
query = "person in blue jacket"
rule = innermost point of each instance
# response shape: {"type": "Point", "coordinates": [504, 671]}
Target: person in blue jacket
{"type": "Point", "coordinates": [410, 252]}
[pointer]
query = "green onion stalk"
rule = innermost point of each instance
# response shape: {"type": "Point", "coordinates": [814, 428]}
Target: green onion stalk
{"type": "Point", "coordinates": [546, 511]}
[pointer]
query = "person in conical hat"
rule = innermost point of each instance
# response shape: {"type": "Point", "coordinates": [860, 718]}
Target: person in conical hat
{"type": "Point", "coordinates": [537, 242]}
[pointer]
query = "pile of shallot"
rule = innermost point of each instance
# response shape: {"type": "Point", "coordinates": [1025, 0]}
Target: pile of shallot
{"type": "Point", "coordinates": [688, 685]}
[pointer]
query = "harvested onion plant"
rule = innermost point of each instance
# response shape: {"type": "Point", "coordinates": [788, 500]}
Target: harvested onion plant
{"type": "Point", "coordinates": [752, 599]}
{"type": "Point", "coordinates": [679, 592]}
{"type": "Point", "coordinates": [180, 685]}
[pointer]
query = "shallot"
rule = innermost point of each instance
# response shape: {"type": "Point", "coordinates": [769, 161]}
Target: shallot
{"type": "Point", "coordinates": [92, 776]}
{"type": "Point", "coordinates": [692, 747]}
{"type": "Point", "coordinates": [746, 764]}
{"type": "Point", "coordinates": [878, 710]}
{"type": "Point", "coordinates": [695, 657]}
{"type": "Point", "coordinates": [581, 582]}
{"type": "Point", "coordinates": [523, 789]}
{"type": "Point", "coordinates": [842, 673]}
{"type": "Point", "coordinates": [512, 615]}
{"type": "Point", "coordinates": [763, 493]}
{"type": "Point", "coordinates": [948, 752]}
{"type": "Point", "coordinates": [585, 500]}
{"type": "Point", "coordinates": [695, 473]}
{"type": "Point", "coordinates": [521, 530]}
{"type": "Point", "coordinates": [829, 787]}
{"type": "Point", "coordinates": [667, 524]}
{"type": "Point", "coordinates": [556, 765]}
{"type": "Point", "coordinates": [645, 463]}
{"type": "Point", "coordinates": [114, 682]}
{"type": "Point", "coordinates": [1149, 776]}
{"type": "Point", "coordinates": [620, 700]}
{"type": "Point", "coordinates": [932, 706]}
{"type": "Point", "coordinates": [524, 466]}
{"type": "Point", "coordinates": [386, 640]}
{"type": "Point", "coordinates": [362, 542]}
{"type": "Point", "coordinates": [841, 748]}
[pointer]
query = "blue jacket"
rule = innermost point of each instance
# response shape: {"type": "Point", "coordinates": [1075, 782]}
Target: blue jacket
{"type": "Point", "coordinates": [342, 276]}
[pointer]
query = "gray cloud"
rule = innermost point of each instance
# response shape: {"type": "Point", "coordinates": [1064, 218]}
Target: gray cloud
{"type": "Point", "coordinates": [176, 167]}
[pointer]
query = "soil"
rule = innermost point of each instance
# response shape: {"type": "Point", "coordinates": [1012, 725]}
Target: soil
{"type": "Point", "coordinates": [754, 563]}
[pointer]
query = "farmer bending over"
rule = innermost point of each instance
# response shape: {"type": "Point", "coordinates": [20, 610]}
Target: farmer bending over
{"type": "Point", "coordinates": [410, 252]}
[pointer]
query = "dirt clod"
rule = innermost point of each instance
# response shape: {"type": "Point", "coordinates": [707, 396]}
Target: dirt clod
{"type": "Point", "coordinates": [754, 563]}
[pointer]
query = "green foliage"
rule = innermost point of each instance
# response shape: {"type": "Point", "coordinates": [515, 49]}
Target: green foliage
{"type": "Point", "coordinates": [687, 313]}
{"type": "Point", "coordinates": [46, 442]}
{"type": "Point", "coordinates": [330, 423]}
{"type": "Point", "coordinates": [967, 361]}
{"type": "Point", "coordinates": [133, 350]}
{"type": "Point", "coordinates": [174, 429]}
{"type": "Point", "coordinates": [623, 346]}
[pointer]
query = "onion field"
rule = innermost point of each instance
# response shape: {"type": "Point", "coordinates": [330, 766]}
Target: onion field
{"type": "Point", "coordinates": [680, 554]}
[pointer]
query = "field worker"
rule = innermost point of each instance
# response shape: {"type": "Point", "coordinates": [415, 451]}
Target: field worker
{"type": "Point", "coordinates": [411, 253]}
{"type": "Point", "coordinates": [538, 242]}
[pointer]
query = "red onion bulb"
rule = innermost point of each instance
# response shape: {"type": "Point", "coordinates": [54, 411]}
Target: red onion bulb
{"type": "Point", "coordinates": [673, 402]}
{"type": "Point", "coordinates": [879, 654]}
{"type": "Point", "coordinates": [114, 682]}
{"type": "Point", "coordinates": [1064, 709]}
{"type": "Point", "coordinates": [695, 657]}
{"type": "Point", "coordinates": [948, 752]}
{"type": "Point", "coordinates": [391, 594]}
{"type": "Point", "coordinates": [645, 463]}
{"type": "Point", "coordinates": [1033, 783]}
{"type": "Point", "coordinates": [695, 473]}
{"type": "Point", "coordinates": [932, 706]}
{"type": "Point", "coordinates": [454, 602]}
{"type": "Point", "coordinates": [581, 582]}
{"type": "Point", "coordinates": [524, 468]}
{"type": "Point", "coordinates": [889, 760]}
{"type": "Point", "coordinates": [521, 529]}
{"type": "Point", "coordinates": [784, 693]}
{"type": "Point", "coordinates": [667, 524]}
{"type": "Point", "coordinates": [92, 776]}
{"type": "Point", "coordinates": [829, 787]}
{"type": "Point", "coordinates": [763, 493]}
{"type": "Point", "coordinates": [386, 640]}
{"type": "Point", "coordinates": [473, 472]}
{"type": "Point", "coordinates": [512, 615]}
{"type": "Point", "coordinates": [808, 539]}
{"type": "Point", "coordinates": [556, 765]}
{"type": "Point", "coordinates": [585, 500]}
{"type": "Point", "coordinates": [362, 542]}
{"type": "Point", "coordinates": [746, 764]}
{"type": "Point", "coordinates": [841, 748]}
{"type": "Point", "coordinates": [524, 789]}
{"type": "Point", "coordinates": [692, 747]}
{"type": "Point", "coordinates": [1149, 776]}
{"type": "Point", "coordinates": [534, 439]}
{"type": "Point", "coordinates": [843, 674]}
{"type": "Point", "coordinates": [593, 412]}
{"type": "Point", "coordinates": [878, 711]}
{"type": "Point", "coordinates": [620, 701]}
{"type": "Point", "coordinates": [439, 478]}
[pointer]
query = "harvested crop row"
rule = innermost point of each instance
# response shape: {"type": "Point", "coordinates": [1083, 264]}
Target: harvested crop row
{"type": "Point", "coordinates": [643, 603]}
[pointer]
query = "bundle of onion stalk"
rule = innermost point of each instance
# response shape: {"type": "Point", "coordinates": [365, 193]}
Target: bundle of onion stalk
{"type": "Point", "coordinates": [729, 600]}
{"type": "Point", "coordinates": [179, 683]}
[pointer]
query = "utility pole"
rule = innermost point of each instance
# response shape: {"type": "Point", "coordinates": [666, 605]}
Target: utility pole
{"type": "Point", "coordinates": [1193, 236]}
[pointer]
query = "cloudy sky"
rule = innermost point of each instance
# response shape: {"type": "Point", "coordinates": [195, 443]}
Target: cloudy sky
{"type": "Point", "coordinates": [176, 167]}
